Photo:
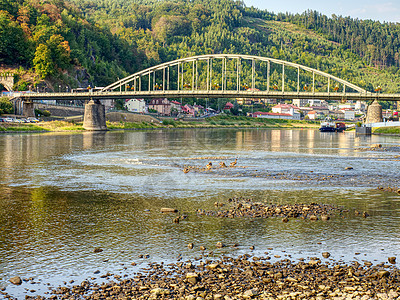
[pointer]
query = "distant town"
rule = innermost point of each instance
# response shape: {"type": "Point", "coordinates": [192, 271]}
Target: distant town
{"type": "Point", "coordinates": [297, 109]}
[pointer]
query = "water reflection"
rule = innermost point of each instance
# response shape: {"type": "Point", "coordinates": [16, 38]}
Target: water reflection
{"type": "Point", "coordinates": [62, 195]}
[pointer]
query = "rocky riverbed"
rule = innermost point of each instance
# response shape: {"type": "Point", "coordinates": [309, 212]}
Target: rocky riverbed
{"type": "Point", "coordinates": [244, 277]}
{"type": "Point", "coordinates": [242, 207]}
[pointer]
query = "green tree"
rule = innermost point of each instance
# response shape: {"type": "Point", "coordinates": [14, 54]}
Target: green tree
{"type": "Point", "coordinates": [43, 62]}
{"type": "Point", "coordinates": [6, 106]}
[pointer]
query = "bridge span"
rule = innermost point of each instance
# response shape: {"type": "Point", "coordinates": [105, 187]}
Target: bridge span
{"type": "Point", "coordinates": [218, 76]}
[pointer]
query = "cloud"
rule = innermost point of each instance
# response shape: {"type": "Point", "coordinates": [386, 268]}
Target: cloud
{"type": "Point", "coordinates": [388, 11]}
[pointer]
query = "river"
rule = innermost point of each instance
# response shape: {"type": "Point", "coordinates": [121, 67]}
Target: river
{"type": "Point", "coordinates": [64, 194]}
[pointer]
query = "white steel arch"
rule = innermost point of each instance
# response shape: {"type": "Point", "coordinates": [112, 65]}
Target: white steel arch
{"type": "Point", "coordinates": [136, 78]}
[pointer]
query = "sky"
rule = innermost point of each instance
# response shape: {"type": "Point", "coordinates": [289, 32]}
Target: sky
{"type": "Point", "coordinates": [388, 11]}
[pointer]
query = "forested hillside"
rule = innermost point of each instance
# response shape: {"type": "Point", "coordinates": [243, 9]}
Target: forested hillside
{"type": "Point", "coordinates": [107, 39]}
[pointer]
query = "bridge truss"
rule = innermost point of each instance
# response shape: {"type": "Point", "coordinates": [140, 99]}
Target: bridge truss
{"type": "Point", "coordinates": [229, 73]}
{"type": "Point", "coordinates": [226, 76]}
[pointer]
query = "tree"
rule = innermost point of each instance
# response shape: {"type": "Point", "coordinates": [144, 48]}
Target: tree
{"type": "Point", "coordinates": [43, 62]}
{"type": "Point", "coordinates": [6, 106]}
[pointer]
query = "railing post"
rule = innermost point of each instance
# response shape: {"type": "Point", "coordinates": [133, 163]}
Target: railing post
{"type": "Point", "coordinates": [208, 74]}
{"type": "Point", "coordinates": [313, 82]}
{"type": "Point", "coordinates": [193, 75]}
{"type": "Point", "coordinates": [253, 70]}
{"type": "Point", "coordinates": [298, 79]}
{"type": "Point", "coordinates": [268, 75]}
{"type": "Point", "coordinates": [168, 79]}
{"type": "Point", "coordinates": [329, 85]}
{"type": "Point", "coordinates": [163, 80]}
{"type": "Point", "coordinates": [238, 75]}
{"type": "Point", "coordinates": [283, 78]}
{"type": "Point", "coordinates": [178, 75]}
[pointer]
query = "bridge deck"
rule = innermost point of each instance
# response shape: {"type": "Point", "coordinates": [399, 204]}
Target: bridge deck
{"type": "Point", "coordinates": [210, 94]}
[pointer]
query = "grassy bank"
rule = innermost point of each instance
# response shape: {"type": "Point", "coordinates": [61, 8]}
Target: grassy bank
{"type": "Point", "coordinates": [387, 130]}
{"type": "Point", "coordinates": [214, 122]}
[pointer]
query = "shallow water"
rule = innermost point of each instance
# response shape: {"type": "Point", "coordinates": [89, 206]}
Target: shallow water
{"type": "Point", "coordinates": [63, 195]}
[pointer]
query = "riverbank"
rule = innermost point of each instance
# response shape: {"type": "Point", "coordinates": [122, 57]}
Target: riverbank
{"type": "Point", "coordinates": [213, 122]}
{"type": "Point", "coordinates": [244, 277]}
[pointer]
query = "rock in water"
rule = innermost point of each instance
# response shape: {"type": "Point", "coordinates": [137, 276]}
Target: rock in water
{"type": "Point", "coordinates": [168, 210]}
{"type": "Point", "coordinates": [326, 254]}
{"type": "Point", "coordinates": [392, 260]}
{"type": "Point", "coordinates": [16, 280]}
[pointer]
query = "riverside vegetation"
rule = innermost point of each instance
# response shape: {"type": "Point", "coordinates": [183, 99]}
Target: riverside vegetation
{"type": "Point", "coordinates": [213, 122]}
{"type": "Point", "coordinates": [59, 43]}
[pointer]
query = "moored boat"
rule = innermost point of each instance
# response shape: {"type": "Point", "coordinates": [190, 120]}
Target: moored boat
{"type": "Point", "coordinates": [328, 125]}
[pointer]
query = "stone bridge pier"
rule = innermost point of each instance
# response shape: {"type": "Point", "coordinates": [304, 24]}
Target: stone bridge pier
{"type": "Point", "coordinates": [94, 118]}
{"type": "Point", "coordinates": [374, 113]}
{"type": "Point", "coordinates": [28, 109]}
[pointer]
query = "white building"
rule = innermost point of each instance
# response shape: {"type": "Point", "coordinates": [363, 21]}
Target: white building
{"type": "Point", "coordinates": [136, 105]}
{"type": "Point", "coordinates": [349, 114]}
{"type": "Point", "coordinates": [309, 102]}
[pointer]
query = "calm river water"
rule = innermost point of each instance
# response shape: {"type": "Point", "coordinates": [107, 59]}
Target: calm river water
{"type": "Point", "coordinates": [63, 195]}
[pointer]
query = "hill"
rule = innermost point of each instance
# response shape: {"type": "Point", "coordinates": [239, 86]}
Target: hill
{"type": "Point", "coordinates": [82, 42]}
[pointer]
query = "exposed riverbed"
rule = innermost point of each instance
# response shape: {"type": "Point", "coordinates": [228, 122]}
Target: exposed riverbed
{"type": "Point", "coordinates": [64, 195]}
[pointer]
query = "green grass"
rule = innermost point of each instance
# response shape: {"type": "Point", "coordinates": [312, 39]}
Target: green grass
{"type": "Point", "coordinates": [23, 128]}
{"type": "Point", "coordinates": [387, 130]}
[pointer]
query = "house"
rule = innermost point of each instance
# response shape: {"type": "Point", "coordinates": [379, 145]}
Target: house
{"type": "Point", "coordinates": [189, 110]}
{"type": "Point", "coordinates": [314, 115]}
{"type": "Point", "coordinates": [161, 105]}
{"type": "Point", "coordinates": [284, 108]}
{"type": "Point", "coordinates": [228, 106]}
{"type": "Point", "coordinates": [136, 105]}
{"type": "Point", "coordinates": [290, 109]}
{"type": "Point", "coordinates": [349, 114]}
{"type": "Point", "coordinates": [198, 109]}
{"type": "Point", "coordinates": [176, 108]}
{"type": "Point", "coordinates": [269, 115]}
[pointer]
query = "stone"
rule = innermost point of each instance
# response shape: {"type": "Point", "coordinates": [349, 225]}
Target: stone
{"type": "Point", "coordinates": [212, 266]}
{"type": "Point", "coordinates": [383, 273]}
{"type": "Point", "coordinates": [220, 245]}
{"type": "Point", "coordinates": [392, 260]}
{"type": "Point", "coordinates": [325, 217]}
{"type": "Point", "coordinates": [348, 168]}
{"type": "Point", "coordinates": [326, 254]}
{"type": "Point", "coordinates": [285, 220]}
{"type": "Point", "coordinates": [376, 146]}
{"type": "Point", "coordinates": [168, 210]}
{"type": "Point", "coordinates": [250, 293]}
{"type": "Point", "coordinates": [97, 250]}
{"type": "Point", "coordinates": [313, 218]}
{"type": "Point", "coordinates": [190, 245]}
{"type": "Point", "coordinates": [159, 291]}
{"type": "Point", "coordinates": [16, 280]}
{"type": "Point", "coordinates": [192, 278]}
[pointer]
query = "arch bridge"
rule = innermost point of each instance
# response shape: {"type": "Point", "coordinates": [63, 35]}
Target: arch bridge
{"type": "Point", "coordinates": [225, 76]}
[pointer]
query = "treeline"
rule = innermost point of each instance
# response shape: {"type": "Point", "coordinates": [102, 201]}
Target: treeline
{"type": "Point", "coordinates": [378, 43]}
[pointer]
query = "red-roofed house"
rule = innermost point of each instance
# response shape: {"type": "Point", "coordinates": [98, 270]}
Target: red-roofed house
{"type": "Point", "coordinates": [290, 109]}
{"type": "Point", "coordinates": [188, 109]}
{"type": "Point", "coordinates": [228, 105]}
